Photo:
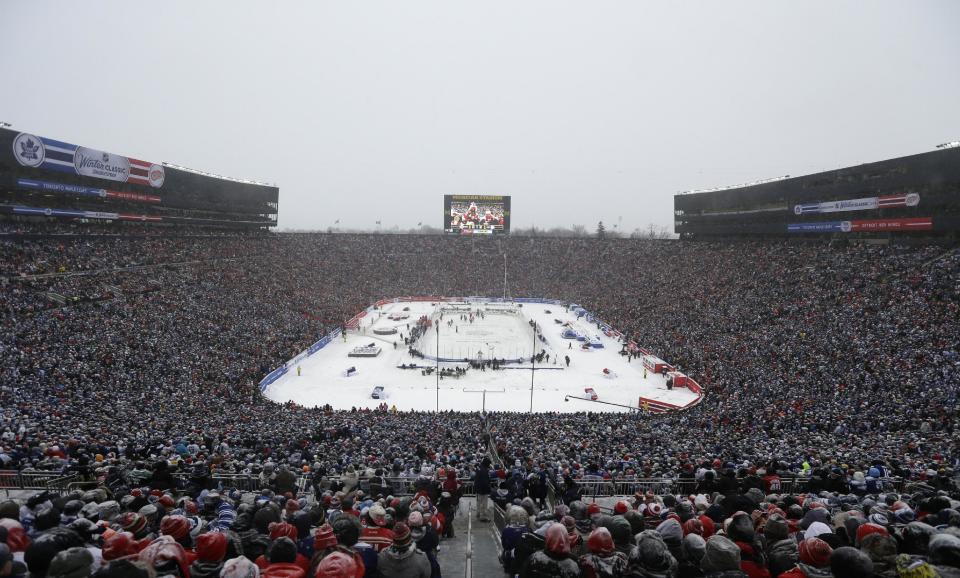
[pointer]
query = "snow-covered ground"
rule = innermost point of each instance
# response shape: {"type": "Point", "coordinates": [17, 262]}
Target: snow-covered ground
{"type": "Point", "coordinates": [323, 380]}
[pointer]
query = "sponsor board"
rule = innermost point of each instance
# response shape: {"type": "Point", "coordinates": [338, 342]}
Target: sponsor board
{"type": "Point", "coordinates": [65, 188]}
{"type": "Point", "coordinates": [909, 224]}
{"type": "Point", "coordinates": [864, 204]}
{"type": "Point", "coordinates": [45, 153]}
{"type": "Point", "coordinates": [48, 212]}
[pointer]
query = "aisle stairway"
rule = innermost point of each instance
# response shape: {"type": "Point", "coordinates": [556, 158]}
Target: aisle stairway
{"type": "Point", "coordinates": [453, 553]}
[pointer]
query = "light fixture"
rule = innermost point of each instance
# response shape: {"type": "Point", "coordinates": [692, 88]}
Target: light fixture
{"type": "Point", "coordinates": [946, 145]}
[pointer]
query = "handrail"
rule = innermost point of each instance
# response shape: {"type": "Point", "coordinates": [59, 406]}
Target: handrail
{"type": "Point", "coordinates": [468, 563]}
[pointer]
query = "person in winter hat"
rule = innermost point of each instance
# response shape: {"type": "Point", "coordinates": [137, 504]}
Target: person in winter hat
{"type": "Point", "coordinates": [426, 538]}
{"type": "Point", "coordinates": [944, 552]}
{"type": "Point", "coordinates": [602, 559]}
{"type": "Point", "coordinates": [283, 560]}
{"type": "Point", "coordinates": [40, 553]}
{"type": "Point", "coordinates": [338, 565]}
{"type": "Point", "coordinates": [882, 551]}
{"type": "Point", "coordinates": [622, 534]}
{"type": "Point", "coordinates": [721, 559]}
{"type": "Point", "coordinates": [740, 529]}
{"type": "Point", "coordinates": [325, 544]}
{"type": "Point", "coordinates": [849, 562]}
{"type": "Point", "coordinates": [239, 568]}
{"type": "Point", "coordinates": [403, 559]}
{"type": "Point", "coordinates": [211, 550]}
{"type": "Point", "coordinates": [650, 556]}
{"type": "Point", "coordinates": [374, 530]}
{"type": "Point", "coordinates": [814, 560]}
{"type": "Point", "coordinates": [510, 536]}
{"type": "Point", "coordinates": [71, 563]}
{"type": "Point", "coordinates": [554, 560]}
{"type": "Point", "coordinates": [301, 520]}
{"type": "Point", "coordinates": [672, 534]}
{"type": "Point", "coordinates": [694, 547]}
{"type": "Point", "coordinates": [165, 555]}
{"type": "Point", "coordinates": [780, 549]}
{"type": "Point", "coordinates": [120, 545]}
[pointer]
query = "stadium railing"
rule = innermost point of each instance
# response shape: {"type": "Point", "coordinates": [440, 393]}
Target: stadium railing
{"type": "Point", "coordinates": [395, 486]}
{"type": "Point", "coordinates": [662, 486]}
{"type": "Point", "coordinates": [13, 480]}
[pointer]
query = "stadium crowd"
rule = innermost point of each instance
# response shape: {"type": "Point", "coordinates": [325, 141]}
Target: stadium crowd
{"type": "Point", "coordinates": [129, 359]}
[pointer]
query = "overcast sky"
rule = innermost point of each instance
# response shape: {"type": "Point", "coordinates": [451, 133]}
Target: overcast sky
{"type": "Point", "coordinates": [582, 111]}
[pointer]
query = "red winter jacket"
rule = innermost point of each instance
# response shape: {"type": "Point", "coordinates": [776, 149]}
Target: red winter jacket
{"type": "Point", "coordinates": [284, 570]}
{"type": "Point", "coordinates": [302, 562]}
{"type": "Point", "coordinates": [751, 563]}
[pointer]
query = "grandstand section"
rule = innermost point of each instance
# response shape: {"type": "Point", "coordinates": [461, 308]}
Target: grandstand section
{"type": "Point", "coordinates": [133, 364]}
{"type": "Point", "coordinates": [916, 196]}
{"type": "Point", "coordinates": [46, 179]}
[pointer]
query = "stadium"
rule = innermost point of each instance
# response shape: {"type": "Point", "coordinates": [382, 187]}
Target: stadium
{"type": "Point", "coordinates": [186, 336]}
{"type": "Point", "coordinates": [191, 388]}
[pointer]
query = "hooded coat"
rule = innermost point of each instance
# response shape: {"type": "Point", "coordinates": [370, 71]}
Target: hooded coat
{"type": "Point", "coordinates": [721, 559]}
{"type": "Point", "coordinates": [554, 560]}
{"type": "Point", "coordinates": [651, 558]}
{"type": "Point", "coordinates": [945, 555]}
{"type": "Point", "coordinates": [782, 555]}
{"type": "Point", "coordinates": [404, 562]}
{"type": "Point", "coordinates": [882, 551]}
{"type": "Point", "coordinates": [603, 560]}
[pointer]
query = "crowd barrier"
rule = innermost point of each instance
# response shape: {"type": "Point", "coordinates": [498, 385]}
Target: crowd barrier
{"type": "Point", "coordinates": [662, 486]}
{"type": "Point", "coordinates": [395, 486]}
{"type": "Point", "coordinates": [12, 480]}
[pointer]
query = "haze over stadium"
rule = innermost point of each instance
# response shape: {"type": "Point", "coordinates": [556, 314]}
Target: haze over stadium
{"type": "Point", "coordinates": [692, 306]}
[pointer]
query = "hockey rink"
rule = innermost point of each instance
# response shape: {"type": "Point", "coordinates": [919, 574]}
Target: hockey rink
{"type": "Point", "coordinates": [323, 378]}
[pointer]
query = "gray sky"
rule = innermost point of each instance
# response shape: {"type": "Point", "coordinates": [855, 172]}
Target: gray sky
{"type": "Point", "coordinates": [582, 111]}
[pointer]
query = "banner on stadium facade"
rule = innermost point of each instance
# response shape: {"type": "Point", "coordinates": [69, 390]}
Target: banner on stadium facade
{"type": "Point", "coordinates": [47, 212]}
{"type": "Point", "coordinates": [68, 189]}
{"type": "Point", "coordinates": [864, 204]}
{"type": "Point", "coordinates": [45, 153]}
{"type": "Point", "coordinates": [910, 224]}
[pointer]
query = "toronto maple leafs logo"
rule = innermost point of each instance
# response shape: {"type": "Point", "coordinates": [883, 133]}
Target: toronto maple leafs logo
{"type": "Point", "coordinates": [28, 150]}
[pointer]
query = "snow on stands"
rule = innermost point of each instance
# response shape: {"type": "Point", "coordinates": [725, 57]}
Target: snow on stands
{"type": "Point", "coordinates": [497, 331]}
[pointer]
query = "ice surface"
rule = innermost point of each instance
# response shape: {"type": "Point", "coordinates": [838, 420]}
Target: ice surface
{"type": "Point", "coordinates": [323, 379]}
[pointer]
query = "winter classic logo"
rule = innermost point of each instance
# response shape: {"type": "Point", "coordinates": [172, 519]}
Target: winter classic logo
{"type": "Point", "coordinates": [28, 150]}
{"type": "Point", "coordinates": [912, 199]}
{"type": "Point", "coordinates": [94, 163]}
{"type": "Point", "coordinates": [846, 226]}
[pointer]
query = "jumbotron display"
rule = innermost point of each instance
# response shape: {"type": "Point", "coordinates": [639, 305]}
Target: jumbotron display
{"type": "Point", "coordinates": [476, 214]}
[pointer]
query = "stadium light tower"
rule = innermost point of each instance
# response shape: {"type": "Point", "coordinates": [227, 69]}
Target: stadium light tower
{"type": "Point", "coordinates": [504, 276]}
{"type": "Point", "coordinates": [533, 358]}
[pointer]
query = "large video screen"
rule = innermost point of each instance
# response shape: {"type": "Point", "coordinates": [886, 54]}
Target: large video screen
{"type": "Point", "coordinates": [476, 214]}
